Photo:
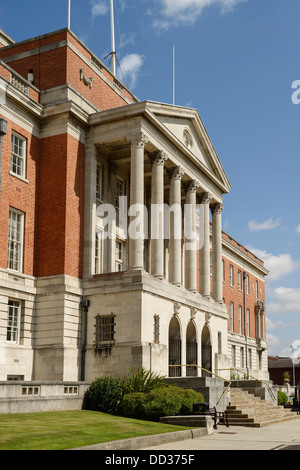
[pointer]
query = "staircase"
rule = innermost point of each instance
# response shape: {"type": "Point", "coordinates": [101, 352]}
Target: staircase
{"type": "Point", "coordinates": [245, 409]}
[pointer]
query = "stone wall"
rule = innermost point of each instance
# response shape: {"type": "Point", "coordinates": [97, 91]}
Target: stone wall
{"type": "Point", "coordinates": [30, 397]}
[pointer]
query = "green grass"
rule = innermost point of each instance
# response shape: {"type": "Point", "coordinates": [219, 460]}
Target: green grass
{"type": "Point", "coordinates": [69, 429]}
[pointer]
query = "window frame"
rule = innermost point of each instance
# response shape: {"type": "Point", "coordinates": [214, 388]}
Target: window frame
{"type": "Point", "coordinates": [105, 331]}
{"type": "Point", "coordinates": [120, 183]}
{"type": "Point", "coordinates": [14, 321]}
{"type": "Point", "coordinates": [20, 242]}
{"type": "Point", "coordinates": [231, 275]}
{"type": "Point", "coordinates": [99, 181]}
{"type": "Point", "coordinates": [22, 158]}
{"type": "Point", "coordinates": [119, 261]}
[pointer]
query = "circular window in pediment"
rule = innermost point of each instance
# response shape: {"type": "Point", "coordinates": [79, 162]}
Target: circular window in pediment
{"type": "Point", "coordinates": [187, 139]}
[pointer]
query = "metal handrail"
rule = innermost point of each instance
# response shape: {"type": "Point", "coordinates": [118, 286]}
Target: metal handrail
{"type": "Point", "coordinates": [255, 378]}
{"type": "Point", "coordinates": [210, 372]}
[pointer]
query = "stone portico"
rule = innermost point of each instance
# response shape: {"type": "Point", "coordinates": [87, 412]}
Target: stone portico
{"type": "Point", "coordinates": [167, 298]}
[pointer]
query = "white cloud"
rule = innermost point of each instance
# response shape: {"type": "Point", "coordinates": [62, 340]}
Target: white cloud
{"type": "Point", "coordinates": [187, 11]}
{"type": "Point", "coordinates": [298, 228]}
{"type": "Point", "coordinates": [283, 300]}
{"type": "Point", "coordinates": [272, 325]}
{"type": "Point", "coordinates": [277, 265]}
{"type": "Point", "coordinates": [99, 7]}
{"type": "Point", "coordinates": [130, 67]}
{"type": "Point", "coordinates": [269, 224]}
{"type": "Point", "coordinates": [272, 341]}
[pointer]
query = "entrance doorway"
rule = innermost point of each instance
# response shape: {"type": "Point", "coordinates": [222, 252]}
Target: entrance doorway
{"type": "Point", "coordinates": [206, 352]}
{"type": "Point", "coordinates": [191, 350]}
{"type": "Point", "coordinates": [174, 348]}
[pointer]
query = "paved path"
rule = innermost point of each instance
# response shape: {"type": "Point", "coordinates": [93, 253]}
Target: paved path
{"type": "Point", "coordinates": [272, 437]}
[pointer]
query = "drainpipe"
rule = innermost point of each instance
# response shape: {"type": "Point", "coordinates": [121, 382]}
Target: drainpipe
{"type": "Point", "coordinates": [85, 303]}
{"type": "Point", "coordinates": [3, 130]}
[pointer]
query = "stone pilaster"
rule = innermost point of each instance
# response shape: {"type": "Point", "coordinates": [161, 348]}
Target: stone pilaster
{"type": "Point", "coordinates": [217, 275]}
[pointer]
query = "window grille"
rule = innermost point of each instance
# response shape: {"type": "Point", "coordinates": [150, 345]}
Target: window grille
{"type": "Point", "coordinates": [105, 332]}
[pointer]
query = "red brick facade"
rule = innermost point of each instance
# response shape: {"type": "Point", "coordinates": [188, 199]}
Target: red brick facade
{"type": "Point", "coordinates": [52, 193]}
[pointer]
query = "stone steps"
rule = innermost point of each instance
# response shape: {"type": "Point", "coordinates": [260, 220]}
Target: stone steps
{"type": "Point", "coordinates": [245, 409]}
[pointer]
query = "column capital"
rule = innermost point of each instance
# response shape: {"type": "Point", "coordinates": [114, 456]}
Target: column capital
{"type": "Point", "coordinates": [158, 158]}
{"type": "Point", "coordinates": [138, 140]}
{"type": "Point", "coordinates": [206, 198]}
{"type": "Point", "coordinates": [218, 208]}
{"type": "Point", "coordinates": [176, 173]}
{"type": "Point", "coordinates": [191, 186]}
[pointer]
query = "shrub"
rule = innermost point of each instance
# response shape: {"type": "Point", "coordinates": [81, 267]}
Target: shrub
{"type": "Point", "coordinates": [133, 405]}
{"type": "Point", "coordinates": [141, 380]}
{"type": "Point", "coordinates": [189, 398]}
{"type": "Point", "coordinates": [104, 394]}
{"type": "Point", "coordinates": [162, 401]}
{"type": "Point", "coordinates": [281, 398]}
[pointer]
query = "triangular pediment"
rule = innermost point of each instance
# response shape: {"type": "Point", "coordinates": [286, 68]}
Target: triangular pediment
{"type": "Point", "coordinates": [187, 128]}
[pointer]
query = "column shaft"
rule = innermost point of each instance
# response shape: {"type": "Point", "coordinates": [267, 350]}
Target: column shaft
{"type": "Point", "coordinates": [157, 215]}
{"type": "Point", "coordinates": [136, 210]}
{"type": "Point", "coordinates": [175, 252]}
{"type": "Point", "coordinates": [190, 238]}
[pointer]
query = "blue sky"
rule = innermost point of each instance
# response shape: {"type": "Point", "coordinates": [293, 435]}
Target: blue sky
{"type": "Point", "coordinates": [236, 62]}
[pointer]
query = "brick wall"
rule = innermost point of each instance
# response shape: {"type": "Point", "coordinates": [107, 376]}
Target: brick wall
{"type": "Point", "coordinates": [61, 210]}
{"type": "Point", "coordinates": [21, 195]}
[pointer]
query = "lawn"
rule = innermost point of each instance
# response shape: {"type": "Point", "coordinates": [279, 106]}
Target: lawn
{"type": "Point", "coordinates": [69, 429]}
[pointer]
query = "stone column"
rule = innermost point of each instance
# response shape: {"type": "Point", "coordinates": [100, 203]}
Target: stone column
{"type": "Point", "coordinates": [190, 237]}
{"type": "Point", "coordinates": [136, 210]}
{"type": "Point", "coordinates": [217, 275]}
{"type": "Point", "coordinates": [204, 248]}
{"type": "Point", "coordinates": [175, 252]}
{"type": "Point", "coordinates": [157, 214]}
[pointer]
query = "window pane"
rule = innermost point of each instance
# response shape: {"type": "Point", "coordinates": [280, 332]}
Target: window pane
{"type": "Point", "coordinates": [13, 321]}
{"type": "Point", "coordinates": [15, 241]}
{"type": "Point", "coordinates": [18, 146]}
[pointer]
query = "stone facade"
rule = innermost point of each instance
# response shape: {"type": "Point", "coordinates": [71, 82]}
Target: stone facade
{"type": "Point", "coordinates": [95, 278]}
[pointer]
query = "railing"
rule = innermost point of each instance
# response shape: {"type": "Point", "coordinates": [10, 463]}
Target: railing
{"type": "Point", "coordinates": [209, 372]}
{"type": "Point", "coordinates": [254, 378]}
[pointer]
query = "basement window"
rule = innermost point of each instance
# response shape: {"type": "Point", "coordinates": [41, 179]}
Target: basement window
{"type": "Point", "coordinates": [105, 333]}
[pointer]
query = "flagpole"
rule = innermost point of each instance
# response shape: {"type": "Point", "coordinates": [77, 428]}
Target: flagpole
{"type": "Point", "coordinates": [173, 74]}
{"type": "Point", "coordinates": [113, 49]}
{"type": "Point", "coordinates": [69, 15]}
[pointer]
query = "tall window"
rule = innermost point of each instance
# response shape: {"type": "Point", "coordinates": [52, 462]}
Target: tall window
{"type": "Point", "coordinates": [98, 268]}
{"type": "Point", "coordinates": [233, 356]}
{"type": "Point", "coordinates": [99, 179]}
{"type": "Point", "coordinates": [231, 316]}
{"type": "Point", "coordinates": [248, 322]}
{"type": "Point", "coordinates": [239, 279]}
{"type": "Point", "coordinates": [13, 321]}
{"type": "Point", "coordinates": [240, 319]}
{"type": "Point", "coordinates": [120, 191]}
{"type": "Point", "coordinates": [18, 155]}
{"type": "Point", "coordinates": [15, 240]}
{"type": "Point", "coordinates": [231, 275]}
{"type": "Point", "coordinates": [247, 284]}
{"type": "Point", "coordinates": [242, 361]}
{"type": "Point", "coordinates": [119, 256]}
